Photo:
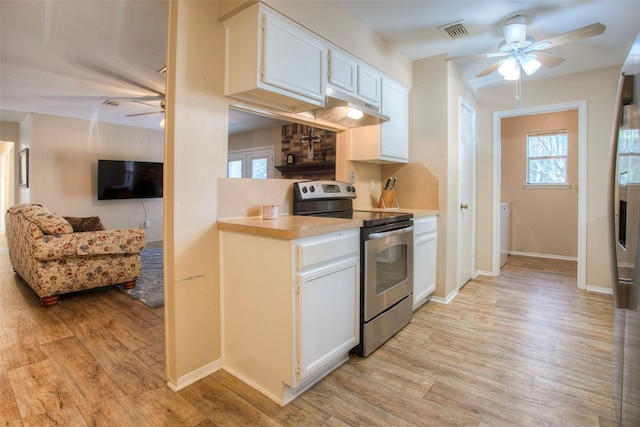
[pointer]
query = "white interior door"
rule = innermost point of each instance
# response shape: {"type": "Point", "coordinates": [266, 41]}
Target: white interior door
{"type": "Point", "coordinates": [466, 174]}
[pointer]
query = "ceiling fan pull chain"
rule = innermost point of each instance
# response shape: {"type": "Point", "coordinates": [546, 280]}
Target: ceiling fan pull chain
{"type": "Point", "coordinates": [518, 91]}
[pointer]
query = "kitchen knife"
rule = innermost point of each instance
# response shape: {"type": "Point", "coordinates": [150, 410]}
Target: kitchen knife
{"type": "Point", "coordinates": [386, 187]}
{"type": "Point", "coordinates": [393, 184]}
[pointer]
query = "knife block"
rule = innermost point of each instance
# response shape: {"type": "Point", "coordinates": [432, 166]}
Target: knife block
{"type": "Point", "coordinates": [388, 199]}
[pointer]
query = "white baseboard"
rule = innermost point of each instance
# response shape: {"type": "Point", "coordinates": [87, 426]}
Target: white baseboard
{"type": "Point", "coordinates": [599, 289]}
{"type": "Point", "coordinates": [483, 273]}
{"type": "Point", "coordinates": [446, 300]}
{"type": "Point", "coordinates": [549, 256]}
{"type": "Point", "coordinates": [197, 375]}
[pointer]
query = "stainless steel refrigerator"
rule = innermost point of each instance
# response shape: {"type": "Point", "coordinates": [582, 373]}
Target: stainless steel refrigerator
{"type": "Point", "coordinates": [625, 240]}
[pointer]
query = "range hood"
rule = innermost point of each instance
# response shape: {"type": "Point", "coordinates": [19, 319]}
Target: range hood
{"type": "Point", "coordinates": [342, 109]}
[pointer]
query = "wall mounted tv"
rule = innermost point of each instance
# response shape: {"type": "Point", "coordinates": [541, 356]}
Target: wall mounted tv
{"type": "Point", "coordinates": [126, 179]}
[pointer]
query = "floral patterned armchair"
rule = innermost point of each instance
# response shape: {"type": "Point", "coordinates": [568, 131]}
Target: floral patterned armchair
{"type": "Point", "coordinates": [55, 258]}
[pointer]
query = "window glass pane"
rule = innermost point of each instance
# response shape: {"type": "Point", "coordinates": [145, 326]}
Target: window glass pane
{"type": "Point", "coordinates": [548, 171]}
{"type": "Point", "coordinates": [259, 168]}
{"type": "Point", "coordinates": [234, 169]}
{"type": "Point", "coordinates": [547, 158]}
{"type": "Point", "coordinates": [548, 145]}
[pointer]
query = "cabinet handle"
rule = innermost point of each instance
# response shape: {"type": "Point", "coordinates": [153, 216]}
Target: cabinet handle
{"type": "Point", "coordinates": [464, 206]}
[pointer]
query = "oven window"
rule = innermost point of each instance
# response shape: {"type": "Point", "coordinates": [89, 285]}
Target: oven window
{"type": "Point", "coordinates": [391, 267]}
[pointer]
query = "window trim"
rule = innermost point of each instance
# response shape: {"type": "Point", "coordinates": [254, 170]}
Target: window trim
{"type": "Point", "coordinates": [551, 185]}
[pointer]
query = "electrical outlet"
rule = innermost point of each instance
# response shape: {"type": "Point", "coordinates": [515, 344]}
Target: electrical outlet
{"type": "Point", "coordinates": [352, 177]}
{"type": "Point", "coordinates": [146, 224]}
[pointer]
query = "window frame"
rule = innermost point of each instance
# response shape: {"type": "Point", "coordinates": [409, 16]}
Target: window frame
{"type": "Point", "coordinates": [547, 185]}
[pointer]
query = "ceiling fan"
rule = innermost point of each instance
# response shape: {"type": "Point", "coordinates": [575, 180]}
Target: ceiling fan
{"type": "Point", "coordinates": [520, 52]}
{"type": "Point", "coordinates": [149, 112]}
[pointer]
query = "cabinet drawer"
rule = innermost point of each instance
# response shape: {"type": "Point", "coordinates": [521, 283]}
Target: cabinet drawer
{"type": "Point", "coordinates": [425, 225]}
{"type": "Point", "coordinates": [326, 248]}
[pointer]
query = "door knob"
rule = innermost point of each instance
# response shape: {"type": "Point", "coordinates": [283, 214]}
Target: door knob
{"type": "Point", "coordinates": [464, 206]}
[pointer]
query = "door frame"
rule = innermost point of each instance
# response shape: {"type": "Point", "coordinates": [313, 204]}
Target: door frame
{"type": "Point", "coordinates": [462, 103]}
{"type": "Point", "coordinates": [581, 106]}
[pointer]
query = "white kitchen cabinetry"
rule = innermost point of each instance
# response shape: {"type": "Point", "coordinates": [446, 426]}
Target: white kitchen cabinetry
{"type": "Point", "coordinates": [424, 258]}
{"type": "Point", "coordinates": [388, 142]}
{"type": "Point", "coordinates": [290, 307]}
{"type": "Point", "coordinates": [273, 61]}
{"type": "Point", "coordinates": [349, 75]}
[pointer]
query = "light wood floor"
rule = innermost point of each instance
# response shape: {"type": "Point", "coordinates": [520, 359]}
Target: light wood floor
{"type": "Point", "coordinates": [525, 349]}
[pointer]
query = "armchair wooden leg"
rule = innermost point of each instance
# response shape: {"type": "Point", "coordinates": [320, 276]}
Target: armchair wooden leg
{"type": "Point", "coordinates": [49, 301]}
{"type": "Point", "coordinates": [129, 285]}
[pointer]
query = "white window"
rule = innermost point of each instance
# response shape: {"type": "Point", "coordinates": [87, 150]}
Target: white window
{"type": "Point", "coordinates": [253, 163]}
{"type": "Point", "coordinates": [547, 158]}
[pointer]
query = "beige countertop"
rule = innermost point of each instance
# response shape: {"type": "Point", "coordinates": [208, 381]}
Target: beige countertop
{"type": "Point", "coordinates": [287, 226]}
{"type": "Point", "coordinates": [296, 226]}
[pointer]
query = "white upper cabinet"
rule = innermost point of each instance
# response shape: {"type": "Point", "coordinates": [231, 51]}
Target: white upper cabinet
{"type": "Point", "coordinates": [273, 61]}
{"type": "Point", "coordinates": [394, 142]}
{"type": "Point", "coordinates": [388, 142]}
{"type": "Point", "coordinates": [343, 71]}
{"type": "Point", "coordinates": [369, 84]}
{"type": "Point", "coordinates": [352, 76]}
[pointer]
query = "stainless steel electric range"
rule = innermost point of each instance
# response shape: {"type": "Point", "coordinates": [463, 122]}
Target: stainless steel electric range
{"type": "Point", "coordinates": [386, 258]}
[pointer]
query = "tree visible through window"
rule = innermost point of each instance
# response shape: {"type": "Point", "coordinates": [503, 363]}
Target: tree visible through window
{"type": "Point", "coordinates": [547, 157]}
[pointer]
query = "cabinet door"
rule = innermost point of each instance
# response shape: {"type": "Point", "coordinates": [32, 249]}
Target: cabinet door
{"type": "Point", "coordinates": [293, 58]}
{"type": "Point", "coordinates": [328, 314]}
{"type": "Point", "coordinates": [394, 143]}
{"type": "Point", "coordinates": [369, 84]}
{"type": "Point", "coordinates": [342, 71]}
{"type": "Point", "coordinates": [424, 268]}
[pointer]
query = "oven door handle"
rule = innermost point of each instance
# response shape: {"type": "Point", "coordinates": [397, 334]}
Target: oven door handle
{"type": "Point", "coordinates": [382, 235]}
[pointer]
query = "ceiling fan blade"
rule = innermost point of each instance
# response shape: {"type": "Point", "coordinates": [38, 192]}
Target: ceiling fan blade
{"type": "Point", "coordinates": [114, 75]}
{"type": "Point", "coordinates": [489, 70]}
{"type": "Point", "coordinates": [480, 55]}
{"type": "Point", "coordinates": [144, 114]}
{"type": "Point", "coordinates": [568, 37]}
{"type": "Point", "coordinates": [146, 103]}
{"type": "Point", "coordinates": [547, 60]}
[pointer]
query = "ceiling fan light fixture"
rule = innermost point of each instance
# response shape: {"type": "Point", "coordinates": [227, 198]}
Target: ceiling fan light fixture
{"type": "Point", "coordinates": [529, 64]}
{"type": "Point", "coordinates": [515, 34]}
{"type": "Point", "coordinates": [510, 69]}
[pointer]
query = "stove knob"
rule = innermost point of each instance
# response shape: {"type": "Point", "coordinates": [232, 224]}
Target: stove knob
{"type": "Point", "coordinates": [312, 188]}
{"type": "Point", "coordinates": [304, 190]}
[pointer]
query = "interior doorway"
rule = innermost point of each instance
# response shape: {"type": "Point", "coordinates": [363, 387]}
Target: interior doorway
{"type": "Point", "coordinates": [581, 106]}
{"type": "Point", "coordinates": [7, 179]}
{"type": "Point", "coordinates": [539, 155]}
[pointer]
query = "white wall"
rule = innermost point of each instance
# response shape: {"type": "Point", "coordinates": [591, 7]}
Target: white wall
{"type": "Point", "coordinates": [433, 140]}
{"type": "Point", "coordinates": [598, 88]}
{"type": "Point", "coordinates": [63, 160]}
{"type": "Point", "coordinates": [195, 157]}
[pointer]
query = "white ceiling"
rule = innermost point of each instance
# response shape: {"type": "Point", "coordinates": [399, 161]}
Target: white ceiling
{"type": "Point", "coordinates": [67, 57]}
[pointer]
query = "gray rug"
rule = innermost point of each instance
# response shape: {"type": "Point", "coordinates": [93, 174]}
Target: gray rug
{"type": "Point", "coordinates": [150, 286]}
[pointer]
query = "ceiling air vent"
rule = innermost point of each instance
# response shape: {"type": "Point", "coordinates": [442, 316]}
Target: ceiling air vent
{"type": "Point", "coordinates": [454, 30]}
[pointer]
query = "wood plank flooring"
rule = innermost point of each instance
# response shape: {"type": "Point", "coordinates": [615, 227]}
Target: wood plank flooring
{"type": "Point", "coordinates": [525, 349]}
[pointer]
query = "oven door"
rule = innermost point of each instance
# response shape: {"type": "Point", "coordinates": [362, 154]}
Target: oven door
{"type": "Point", "coordinates": [388, 269]}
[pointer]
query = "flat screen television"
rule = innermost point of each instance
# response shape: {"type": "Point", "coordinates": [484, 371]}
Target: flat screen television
{"type": "Point", "coordinates": [126, 179]}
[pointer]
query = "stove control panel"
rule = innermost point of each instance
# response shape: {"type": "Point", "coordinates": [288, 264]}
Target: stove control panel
{"type": "Point", "coordinates": [310, 190]}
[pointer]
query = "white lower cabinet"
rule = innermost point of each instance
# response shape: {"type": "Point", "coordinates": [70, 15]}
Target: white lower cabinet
{"type": "Point", "coordinates": [290, 308]}
{"type": "Point", "coordinates": [424, 258]}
